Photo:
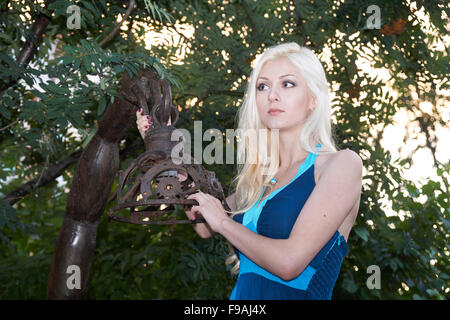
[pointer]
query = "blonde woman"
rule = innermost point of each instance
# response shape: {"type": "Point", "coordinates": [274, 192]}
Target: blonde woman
{"type": "Point", "coordinates": [291, 217]}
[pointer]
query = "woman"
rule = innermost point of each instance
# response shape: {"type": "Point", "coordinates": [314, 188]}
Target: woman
{"type": "Point", "coordinates": [291, 219]}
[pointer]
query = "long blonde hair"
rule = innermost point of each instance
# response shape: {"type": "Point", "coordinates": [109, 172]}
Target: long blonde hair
{"type": "Point", "coordinates": [253, 176]}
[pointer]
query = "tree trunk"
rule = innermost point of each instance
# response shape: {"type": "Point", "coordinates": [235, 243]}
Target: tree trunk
{"type": "Point", "coordinates": [87, 199]}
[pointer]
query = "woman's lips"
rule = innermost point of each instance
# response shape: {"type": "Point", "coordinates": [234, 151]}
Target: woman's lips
{"type": "Point", "coordinates": [274, 112]}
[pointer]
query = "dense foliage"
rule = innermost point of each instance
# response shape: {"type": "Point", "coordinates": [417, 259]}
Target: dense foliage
{"type": "Point", "coordinates": [50, 108]}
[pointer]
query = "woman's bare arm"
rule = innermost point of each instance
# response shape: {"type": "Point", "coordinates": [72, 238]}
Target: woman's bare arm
{"type": "Point", "coordinates": [340, 185]}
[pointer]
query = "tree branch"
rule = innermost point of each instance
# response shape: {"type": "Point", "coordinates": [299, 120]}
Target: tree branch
{"type": "Point", "coordinates": [30, 46]}
{"type": "Point", "coordinates": [130, 8]}
{"type": "Point", "coordinates": [50, 174]}
{"type": "Point", "coordinates": [9, 125]}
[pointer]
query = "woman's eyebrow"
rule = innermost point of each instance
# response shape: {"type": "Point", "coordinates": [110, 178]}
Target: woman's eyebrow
{"type": "Point", "coordinates": [280, 76]}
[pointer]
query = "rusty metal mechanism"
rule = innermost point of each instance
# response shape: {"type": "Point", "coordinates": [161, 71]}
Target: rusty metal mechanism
{"type": "Point", "coordinates": [154, 183]}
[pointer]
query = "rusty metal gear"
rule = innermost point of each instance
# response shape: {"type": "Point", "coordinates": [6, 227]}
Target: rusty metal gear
{"type": "Point", "coordinates": [151, 186]}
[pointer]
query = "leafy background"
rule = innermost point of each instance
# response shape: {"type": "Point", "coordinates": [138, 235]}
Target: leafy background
{"type": "Point", "coordinates": [50, 108]}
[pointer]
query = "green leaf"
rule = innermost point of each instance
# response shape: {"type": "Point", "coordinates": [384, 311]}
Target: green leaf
{"type": "Point", "coordinates": [349, 285]}
{"type": "Point", "coordinates": [446, 223]}
{"type": "Point", "coordinates": [8, 216]}
{"type": "Point", "coordinates": [40, 117]}
{"type": "Point", "coordinates": [132, 67]}
{"type": "Point", "coordinates": [87, 63]}
{"type": "Point", "coordinates": [8, 102]}
{"type": "Point", "coordinates": [362, 233]}
{"type": "Point", "coordinates": [29, 80]}
{"type": "Point", "coordinates": [76, 63]}
{"type": "Point", "coordinates": [4, 111]}
{"type": "Point", "coordinates": [101, 106]}
{"type": "Point", "coordinates": [429, 188]}
{"type": "Point", "coordinates": [40, 94]}
{"type": "Point", "coordinates": [67, 60]}
{"type": "Point", "coordinates": [118, 69]}
{"type": "Point", "coordinates": [89, 6]}
{"type": "Point", "coordinates": [55, 88]}
{"type": "Point", "coordinates": [89, 137]}
{"type": "Point", "coordinates": [8, 60]}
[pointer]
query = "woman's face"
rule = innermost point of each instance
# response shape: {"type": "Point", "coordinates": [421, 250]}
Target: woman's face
{"type": "Point", "coordinates": [282, 96]}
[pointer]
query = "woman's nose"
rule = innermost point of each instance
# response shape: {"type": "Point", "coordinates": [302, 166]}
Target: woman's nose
{"type": "Point", "coordinates": [273, 94]}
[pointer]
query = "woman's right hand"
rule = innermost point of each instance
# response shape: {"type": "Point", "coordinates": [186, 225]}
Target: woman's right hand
{"type": "Point", "coordinates": [202, 229]}
{"type": "Point", "coordinates": [143, 122]}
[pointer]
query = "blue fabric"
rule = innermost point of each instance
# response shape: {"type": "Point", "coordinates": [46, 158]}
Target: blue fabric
{"type": "Point", "coordinates": [274, 217]}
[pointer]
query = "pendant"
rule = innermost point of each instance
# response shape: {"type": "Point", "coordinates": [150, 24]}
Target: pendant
{"type": "Point", "coordinates": [273, 181]}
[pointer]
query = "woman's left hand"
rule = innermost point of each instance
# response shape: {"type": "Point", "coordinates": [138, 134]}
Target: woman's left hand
{"type": "Point", "coordinates": [210, 208]}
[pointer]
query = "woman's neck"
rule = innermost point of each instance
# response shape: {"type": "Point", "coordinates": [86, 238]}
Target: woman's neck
{"type": "Point", "coordinates": [290, 151]}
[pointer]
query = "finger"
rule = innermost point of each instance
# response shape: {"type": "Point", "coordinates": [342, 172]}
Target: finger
{"type": "Point", "coordinates": [143, 126]}
{"type": "Point", "coordinates": [211, 197]}
{"type": "Point", "coordinates": [193, 196]}
{"type": "Point", "coordinates": [203, 195]}
{"type": "Point", "coordinates": [190, 214]}
{"type": "Point", "coordinates": [182, 176]}
{"type": "Point", "coordinates": [144, 121]}
{"type": "Point", "coordinates": [194, 209]}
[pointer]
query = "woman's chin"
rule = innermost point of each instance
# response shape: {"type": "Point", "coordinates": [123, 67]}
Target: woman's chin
{"type": "Point", "coordinates": [282, 127]}
{"type": "Point", "coordinates": [275, 125]}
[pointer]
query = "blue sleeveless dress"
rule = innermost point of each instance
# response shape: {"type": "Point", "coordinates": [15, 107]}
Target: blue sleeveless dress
{"type": "Point", "coordinates": [275, 217]}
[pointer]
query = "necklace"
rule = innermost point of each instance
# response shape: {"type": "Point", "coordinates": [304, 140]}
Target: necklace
{"type": "Point", "coordinates": [273, 181]}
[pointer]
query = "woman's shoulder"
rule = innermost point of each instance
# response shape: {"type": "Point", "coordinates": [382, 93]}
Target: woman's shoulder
{"type": "Point", "coordinates": [347, 156]}
{"type": "Point", "coordinates": [345, 159]}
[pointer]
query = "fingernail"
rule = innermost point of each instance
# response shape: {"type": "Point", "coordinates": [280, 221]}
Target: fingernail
{"type": "Point", "coordinates": [146, 127]}
{"type": "Point", "coordinates": [140, 109]}
{"type": "Point", "coordinates": [148, 117]}
{"type": "Point", "coordinates": [149, 121]}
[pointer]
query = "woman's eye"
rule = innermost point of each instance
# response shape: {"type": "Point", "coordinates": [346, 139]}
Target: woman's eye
{"type": "Point", "coordinates": [259, 86]}
{"type": "Point", "coordinates": [293, 84]}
